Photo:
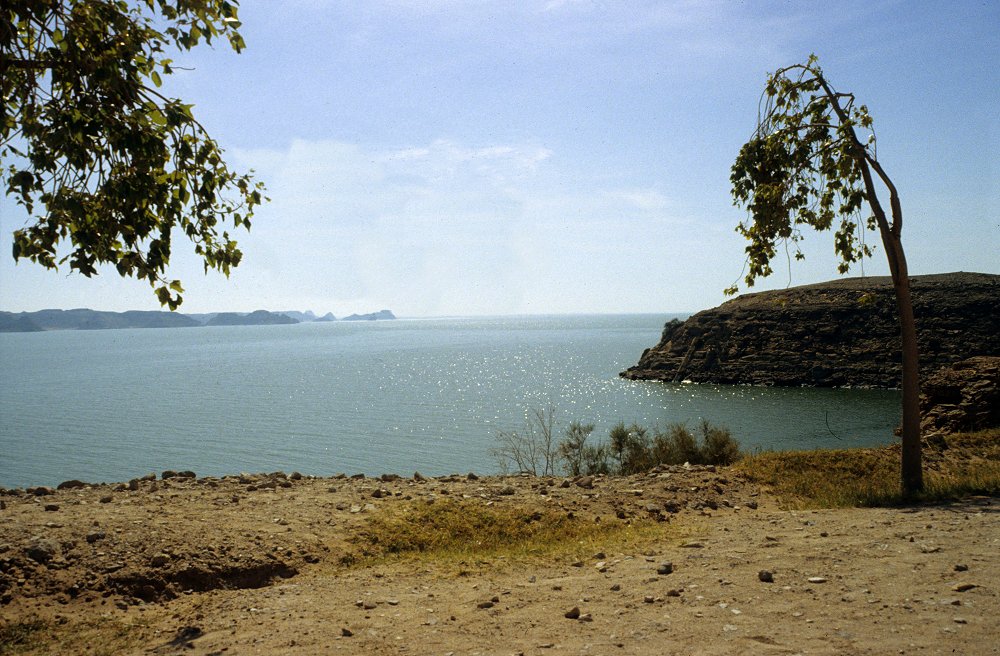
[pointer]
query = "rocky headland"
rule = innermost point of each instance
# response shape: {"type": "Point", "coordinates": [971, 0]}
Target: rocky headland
{"type": "Point", "coordinates": [842, 333]}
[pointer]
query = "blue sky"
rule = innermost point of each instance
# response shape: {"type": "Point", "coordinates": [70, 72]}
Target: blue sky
{"type": "Point", "coordinates": [441, 157]}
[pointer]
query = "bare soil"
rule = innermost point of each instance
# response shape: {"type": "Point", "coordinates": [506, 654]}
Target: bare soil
{"type": "Point", "coordinates": [261, 565]}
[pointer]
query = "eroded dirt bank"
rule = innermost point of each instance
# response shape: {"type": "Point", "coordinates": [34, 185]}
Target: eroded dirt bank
{"type": "Point", "coordinates": [255, 564]}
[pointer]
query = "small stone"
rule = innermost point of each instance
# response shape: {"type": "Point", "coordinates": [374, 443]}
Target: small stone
{"type": "Point", "coordinates": [961, 568]}
{"type": "Point", "coordinates": [508, 491]}
{"type": "Point", "coordinates": [673, 593]}
{"type": "Point", "coordinates": [573, 613]}
{"type": "Point", "coordinates": [578, 563]}
{"type": "Point", "coordinates": [485, 604]}
{"type": "Point", "coordinates": [94, 536]}
{"type": "Point", "coordinates": [766, 576]}
{"type": "Point", "coordinates": [346, 632]}
{"type": "Point", "coordinates": [42, 551]}
{"type": "Point", "coordinates": [71, 485]}
{"type": "Point", "coordinates": [960, 620]}
{"type": "Point", "coordinates": [107, 498]}
{"type": "Point", "coordinates": [586, 482]}
{"type": "Point", "coordinates": [472, 476]}
{"type": "Point", "coordinates": [648, 599]}
{"type": "Point", "coordinates": [665, 568]}
{"type": "Point", "coordinates": [964, 587]}
{"type": "Point", "coordinates": [51, 507]}
{"type": "Point", "coordinates": [586, 617]}
{"type": "Point", "coordinates": [418, 477]}
{"type": "Point", "coordinates": [369, 605]}
{"type": "Point", "coordinates": [693, 545]}
{"type": "Point", "coordinates": [816, 579]}
{"type": "Point", "coordinates": [159, 560]}
{"type": "Point", "coordinates": [752, 505]}
{"type": "Point", "coordinates": [616, 587]}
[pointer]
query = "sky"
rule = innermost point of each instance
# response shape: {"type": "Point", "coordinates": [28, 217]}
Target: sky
{"type": "Point", "coordinates": [449, 157]}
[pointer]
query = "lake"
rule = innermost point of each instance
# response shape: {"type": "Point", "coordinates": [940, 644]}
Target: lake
{"type": "Point", "coordinates": [399, 396]}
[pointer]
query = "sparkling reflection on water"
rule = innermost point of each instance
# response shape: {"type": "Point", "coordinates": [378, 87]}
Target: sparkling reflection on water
{"type": "Point", "coordinates": [425, 395]}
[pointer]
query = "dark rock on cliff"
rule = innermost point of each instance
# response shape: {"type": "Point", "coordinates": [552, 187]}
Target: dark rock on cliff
{"type": "Point", "coordinates": [962, 397]}
{"type": "Point", "coordinates": [833, 334]}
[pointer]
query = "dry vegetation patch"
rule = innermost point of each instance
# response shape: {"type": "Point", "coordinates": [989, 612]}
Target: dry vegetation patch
{"type": "Point", "coordinates": [956, 466]}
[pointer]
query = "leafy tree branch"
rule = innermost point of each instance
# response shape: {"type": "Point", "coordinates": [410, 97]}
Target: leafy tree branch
{"type": "Point", "coordinates": [102, 161]}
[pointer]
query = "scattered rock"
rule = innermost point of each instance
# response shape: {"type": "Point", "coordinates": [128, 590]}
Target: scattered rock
{"type": "Point", "coordinates": [816, 579]}
{"type": "Point", "coordinates": [961, 568]}
{"type": "Point", "coordinates": [964, 587]}
{"type": "Point", "coordinates": [766, 576]}
{"type": "Point", "coordinates": [665, 568]}
{"type": "Point", "coordinates": [346, 632]}
{"type": "Point", "coordinates": [573, 613]}
{"type": "Point", "coordinates": [42, 550]}
{"type": "Point", "coordinates": [485, 604]}
{"type": "Point", "coordinates": [586, 482]}
{"type": "Point", "coordinates": [51, 507]}
{"type": "Point", "coordinates": [73, 484]}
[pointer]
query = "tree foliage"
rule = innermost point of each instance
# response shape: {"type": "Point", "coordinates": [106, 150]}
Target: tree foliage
{"type": "Point", "coordinates": [807, 166]}
{"type": "Point", "coordinates": [97, 155]}
{"type": "Point", "coordinates": [804, 167]}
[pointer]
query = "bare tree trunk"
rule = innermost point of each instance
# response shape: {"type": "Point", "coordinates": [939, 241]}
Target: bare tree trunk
{"type": "Point", "coordinates": [911, 467]}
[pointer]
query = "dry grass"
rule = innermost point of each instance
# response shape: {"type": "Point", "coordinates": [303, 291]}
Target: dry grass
{"type": "Point", "coordinates": [95, 638]}
{"type": "Point", "coordinates": [470, 532]}
{"type": "Point", "coordinates": [955, 466]}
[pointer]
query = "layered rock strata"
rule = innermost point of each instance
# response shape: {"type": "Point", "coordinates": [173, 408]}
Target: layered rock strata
{"type": "Point", "coordinates": [842, 333]}
{"type": "Point", "coordinates": [962, 397]}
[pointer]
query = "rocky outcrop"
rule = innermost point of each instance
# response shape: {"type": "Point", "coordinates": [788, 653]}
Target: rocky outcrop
{"type": "Point", "coordinates": [962, 397]}
{"type": "Point", "coordinates": [842, 333]}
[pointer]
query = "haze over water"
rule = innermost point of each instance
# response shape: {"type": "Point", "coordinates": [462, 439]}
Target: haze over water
{"type": "Point", "coordinates": [402, 396]}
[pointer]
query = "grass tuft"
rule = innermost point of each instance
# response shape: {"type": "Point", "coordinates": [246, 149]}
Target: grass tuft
{"type": "Point", "coordinates": [19, 637]}
{"type": "Point", "coordinates": [462, 531]}
{"type": "Point", "coordinates": [955, 466]}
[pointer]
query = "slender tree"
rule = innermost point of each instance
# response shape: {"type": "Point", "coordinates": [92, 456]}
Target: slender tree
{"type": "Point", "coordinates": [100, 159]}
{"type": "Point", "coordinates": [807, 167]}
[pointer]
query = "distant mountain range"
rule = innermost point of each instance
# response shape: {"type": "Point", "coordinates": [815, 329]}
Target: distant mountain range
{"type": "Point", "coordinates": [86, 319]}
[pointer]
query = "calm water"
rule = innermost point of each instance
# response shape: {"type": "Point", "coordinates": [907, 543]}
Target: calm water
{"type": "Point", "coordinates": [426, 395]}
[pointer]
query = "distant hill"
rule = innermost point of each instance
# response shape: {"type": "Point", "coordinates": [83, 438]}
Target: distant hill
{"type": "Point", "coordinates": [256, 318]}
{"type": "Point", "coordinates": [87, 319]}
{"type": "Point", "coordinates": [301, 317]}
{"type": "Point", "coordinates": [17, 323]}
{"type": "Point", "coordinates": [381, 315]}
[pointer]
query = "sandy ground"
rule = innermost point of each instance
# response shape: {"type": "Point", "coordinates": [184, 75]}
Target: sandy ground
{"type": "Point", "coordinates": [252, 565]}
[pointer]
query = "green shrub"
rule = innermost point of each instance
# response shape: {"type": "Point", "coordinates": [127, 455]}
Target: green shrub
{"type": "Point", "coordinates": [719, 447]}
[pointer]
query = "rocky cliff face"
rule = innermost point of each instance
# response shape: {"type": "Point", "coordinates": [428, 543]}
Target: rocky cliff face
{"type": "Point", "coordinates": [962, 397]}
{"type": "Point", "coordinates": [833, 334]}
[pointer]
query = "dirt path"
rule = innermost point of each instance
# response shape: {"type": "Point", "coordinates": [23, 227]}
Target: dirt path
{"type": "Point", "coordinates": [174, 566]}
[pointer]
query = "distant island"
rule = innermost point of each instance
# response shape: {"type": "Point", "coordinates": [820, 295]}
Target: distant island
{"type": "Point", "coordinates": [87, 319]}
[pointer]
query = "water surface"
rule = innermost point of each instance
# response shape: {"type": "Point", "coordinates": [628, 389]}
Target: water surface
{"type": "Point", "coordinates": [321, 398]}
